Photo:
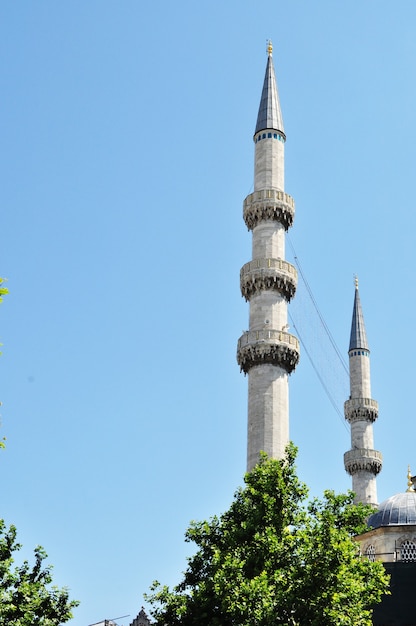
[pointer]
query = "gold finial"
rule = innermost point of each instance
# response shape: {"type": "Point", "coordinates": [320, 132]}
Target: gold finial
{"type": "Point", "coordinates": [269, 47]}
{"type": "Point", "coordinates": [356, 281]}
{"type": "Point", "coordinates": [409, 479]}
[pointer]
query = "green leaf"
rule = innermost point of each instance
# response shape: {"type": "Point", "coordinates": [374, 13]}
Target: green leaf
{"type": "Point", "coordinates": [275, 559]}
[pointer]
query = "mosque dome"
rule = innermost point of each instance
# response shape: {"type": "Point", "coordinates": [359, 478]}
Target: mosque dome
{"type": "Point", "coordinates": [395, 511]}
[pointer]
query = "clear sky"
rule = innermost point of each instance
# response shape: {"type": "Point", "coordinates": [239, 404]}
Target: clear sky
{"type": "Point", "coordinates": [126, 153]}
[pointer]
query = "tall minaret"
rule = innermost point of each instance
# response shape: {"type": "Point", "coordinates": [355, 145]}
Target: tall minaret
{"type": "Point", "coordinates": [362, 462]}
{"type": "Point", "coordinates": [267, 352]}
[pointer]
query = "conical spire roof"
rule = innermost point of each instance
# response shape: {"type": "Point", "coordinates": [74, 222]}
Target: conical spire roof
{"type": "Point", "coordinates": [270, 115]}
{"type": "Point", "coordinates": [358, 338]}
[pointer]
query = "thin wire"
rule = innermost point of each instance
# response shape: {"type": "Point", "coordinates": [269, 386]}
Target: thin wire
{"type": "Point", "coordinates": [321, 318]}
{"type": "Point", "coordinates": [321, 380]}
{"type": "Point", "coordinates": [321, 372]}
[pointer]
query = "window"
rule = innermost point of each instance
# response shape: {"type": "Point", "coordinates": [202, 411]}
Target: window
{"type": "Point", "coordinates": [408, 551]}
{"type": "Point", "coordinates": [371, 553]}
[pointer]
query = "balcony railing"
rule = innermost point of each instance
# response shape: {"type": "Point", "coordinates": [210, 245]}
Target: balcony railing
{"type": "Point", "coordinates": [257, 347]}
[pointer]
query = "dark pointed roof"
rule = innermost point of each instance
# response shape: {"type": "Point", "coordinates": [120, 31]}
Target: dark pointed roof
{"type": "Point", "coordinates": [358, 338]}
{"type": "Point", "coordinates": [141, 619]}
{"type": "Point", "coordinates": [270, 115]}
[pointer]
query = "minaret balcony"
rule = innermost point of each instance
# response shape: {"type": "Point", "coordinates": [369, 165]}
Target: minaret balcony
{"type": "Point", "coordinates": [269, 204]}
{"type": "Point", "coordinates": [363, 459]}
{"type": "Point", "coordinates": [360, 409]}
{"type": "Point", "coordinates": [257, 347]}
{"type": "Point", "coordinates": [266, 274]}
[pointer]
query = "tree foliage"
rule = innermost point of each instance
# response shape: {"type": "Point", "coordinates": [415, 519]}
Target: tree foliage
{"type": "Point", "coordinates": [274, 559]}
{"type": "Point", "coordinates": [26, 595]}
{"type": "Point", "coordinates": [3, 290]}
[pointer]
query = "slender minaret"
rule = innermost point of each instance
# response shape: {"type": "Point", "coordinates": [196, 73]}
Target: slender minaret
{"type": "Point", "coordinates": [362, 462]}
{"type": "Point", "coordinates": [267, 352]}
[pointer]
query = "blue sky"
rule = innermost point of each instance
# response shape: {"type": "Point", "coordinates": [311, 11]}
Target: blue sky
{"type": "Point", "coordinates": [126, 134]}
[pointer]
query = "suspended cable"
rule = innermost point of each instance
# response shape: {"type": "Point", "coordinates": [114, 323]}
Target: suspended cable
{"type": "Point", "coordinates": [318, 343]}
{"type": "Point", "coordinates": [320, 378]}
{"type": "Point", "coordinates": [321, 318]}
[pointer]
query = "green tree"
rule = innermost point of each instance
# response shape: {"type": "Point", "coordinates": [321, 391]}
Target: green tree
{"type": "Point", "coordinates": [274, 559]}
{"type": "Point", "coordinates": [3, 290]}
{"type": "Point", "coordinates": [26, 595]}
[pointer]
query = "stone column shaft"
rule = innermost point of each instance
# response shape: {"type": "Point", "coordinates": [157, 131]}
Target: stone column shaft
{"type": "Point", "coordinates": [362, 462]}
{"type": "Point", "coordinates": [267, 352]}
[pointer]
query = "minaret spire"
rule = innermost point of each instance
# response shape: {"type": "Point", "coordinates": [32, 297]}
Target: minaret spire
{"type": "Point", "coordinates": [270, 114]}
{"type": "Point", "coordinates": [358, 337]}
{"type": "Point", "coordinates": [267, 352]}
{"type": "Point", "coordinates": [362, 462]}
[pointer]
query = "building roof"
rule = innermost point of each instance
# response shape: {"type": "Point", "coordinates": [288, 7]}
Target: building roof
{"type": "Point", "coordinates": [270, 115]}
{"type": "Point", "coordinates": [358, 337]}
{"type": "Point", "coordinates": [395, 511]}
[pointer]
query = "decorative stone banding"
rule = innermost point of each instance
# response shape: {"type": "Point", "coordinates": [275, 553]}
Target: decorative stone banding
{"type": "Point", "coordinates": [257, 347]}
{"type": "Point", "coordinates": [266, 274]}
{"type": "Point", "coordinates": [269, 204]}
{"type": "Point", "coordinates": [361, 409]}
{"type": "Point", "coordinates": [363, 459]}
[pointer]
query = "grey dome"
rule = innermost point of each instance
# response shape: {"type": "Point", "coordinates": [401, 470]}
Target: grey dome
{"type": "Point", "coordinates": [395, 511]}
